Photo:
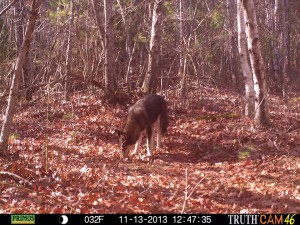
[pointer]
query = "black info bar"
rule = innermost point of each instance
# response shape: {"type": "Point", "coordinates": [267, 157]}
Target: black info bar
{"type": "Point", "coordinates": [131, 219]}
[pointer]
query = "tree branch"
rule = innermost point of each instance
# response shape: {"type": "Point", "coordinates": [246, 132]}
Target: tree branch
{"type": "Point", "coordinates": [8, 7]}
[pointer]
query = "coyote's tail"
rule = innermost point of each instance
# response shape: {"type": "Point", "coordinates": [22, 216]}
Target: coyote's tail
{"type": "Point", "coordinates": [164, 118]}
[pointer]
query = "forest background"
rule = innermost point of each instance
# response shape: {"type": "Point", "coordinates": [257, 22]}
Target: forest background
{"type": "Point", "coordinates": [70, 69]}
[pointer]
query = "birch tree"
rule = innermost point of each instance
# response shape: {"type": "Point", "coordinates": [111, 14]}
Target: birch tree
{"type": "Point", "coordinates": [257, 64]}
{"type": "Point", "coordinates": [12, 99]}
{"type": "Point", "coordinates": [245, 67]}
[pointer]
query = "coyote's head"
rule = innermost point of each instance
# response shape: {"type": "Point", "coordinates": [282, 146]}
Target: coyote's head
{"type": "Point", "coordinates": [123, 141]}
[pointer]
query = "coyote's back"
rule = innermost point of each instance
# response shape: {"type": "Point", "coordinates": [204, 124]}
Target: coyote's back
{"type": "Point", "coordinates": [147, 114]}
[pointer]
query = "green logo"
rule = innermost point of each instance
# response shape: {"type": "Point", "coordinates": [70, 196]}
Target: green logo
{"type": "Point", "coordinates": [22, 219]}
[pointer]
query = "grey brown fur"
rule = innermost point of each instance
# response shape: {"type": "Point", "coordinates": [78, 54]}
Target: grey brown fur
{"type": "Point", "coordinates": [146, 115]}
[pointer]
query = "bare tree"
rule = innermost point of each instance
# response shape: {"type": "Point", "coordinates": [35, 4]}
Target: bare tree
{"type": "Point", "coordinates": [257, 64]}
{"type": "Point", "coordinates": [129, 51]}
{"type": "Point", "coordinates": [69, 51]}
{"type": "Point", "coordinates": [19, 16]}
{"type": "Point", "coordinates": [285, 49]}
{"type": "Point", "coordinates": [276, 32]}
{"type": "Point", "coordinates": [8, 7]}
{"type": "Point", "coordinates": [149, 84]}
{"type": "Point", "coordinates": [245, 67]}
{"type": "Point", "coordinates": [109, 68]}
{"type": "Point", "coordinates": [96, 7]}
{"type": "Point", "coordinates": [182, 56]}
{"type": "Point", "coordinates": [232, 51]}
{"type": "Point", "coordinates": [12, 99]}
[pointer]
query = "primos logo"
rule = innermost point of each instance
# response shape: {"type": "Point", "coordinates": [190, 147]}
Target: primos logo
{"type": "Point", "coordinates": [22, 219]}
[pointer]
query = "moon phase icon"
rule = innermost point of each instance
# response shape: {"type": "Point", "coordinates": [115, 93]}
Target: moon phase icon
{"type": "Point", "coordinates": [63, 219]}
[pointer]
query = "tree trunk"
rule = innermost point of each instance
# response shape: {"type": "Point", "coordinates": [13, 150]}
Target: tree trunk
{"type": "Point", "coordinates": [257, 64]}
{"type": "Point", "coordinates": [182, 56]}
{"type": "Point", "coordinates": [245, 67]}
{"type": "Point", "coordinates": [27, 74]}
{"type": "Point", "coordinates": [109, 65]}
{"type": "Point", "coordinates": [12, 99]}
{"type": "Point", "coordinates": [150, 82]}
{"type": "Point", "coordinates": [128, 49]}
{"type": "Point", "coordinates": [284, 50]}
{"type": "Point", "coordinates": [233, 45]}
{"type": "Point", "coordinates": [269, 23]}
{"type": "Point", "coordinates": [69, 52]}
{"type": "Point", "coordinates": [19, 14]}
{"type": "Point", "coordinates": [98, 20]}
{"type": "Point", "coordinates": [276, 42]}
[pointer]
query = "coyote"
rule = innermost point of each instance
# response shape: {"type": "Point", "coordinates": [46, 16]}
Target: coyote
{"type": "Point", "coordinates": [144, 116]}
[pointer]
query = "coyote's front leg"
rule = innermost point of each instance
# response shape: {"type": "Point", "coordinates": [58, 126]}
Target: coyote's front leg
{"type": "Point", "coordinates": [150, 142]}
{"type": "Point", "coordinates": [137, 145]}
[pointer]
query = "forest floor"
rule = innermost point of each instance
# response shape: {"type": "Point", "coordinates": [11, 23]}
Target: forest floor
{"type": "Point", "coordinates": [64, 158]}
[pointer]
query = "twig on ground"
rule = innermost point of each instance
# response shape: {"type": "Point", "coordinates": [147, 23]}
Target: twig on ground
{"type": "Point", "coordinates": [16, 176]}
{"type": "Point", "coordinates": [186, 195]}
